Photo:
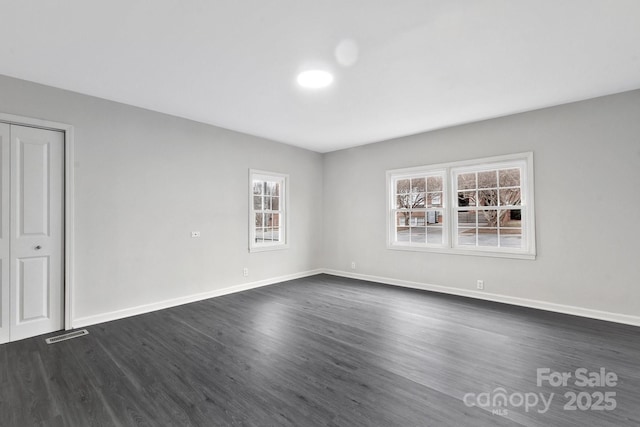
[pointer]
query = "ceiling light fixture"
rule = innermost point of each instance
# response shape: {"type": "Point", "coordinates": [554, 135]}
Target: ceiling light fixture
{"type": "Point", "coordinates": [315, 79]}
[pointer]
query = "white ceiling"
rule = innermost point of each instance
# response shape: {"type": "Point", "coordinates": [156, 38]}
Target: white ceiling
{"type": "Point", "coordinates": [419, 65]}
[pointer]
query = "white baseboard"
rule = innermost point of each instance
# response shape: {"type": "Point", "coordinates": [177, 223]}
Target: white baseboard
{"type": "Point", "coordinates": [147, 308]}
{"type": "Point", "coordinates": [523, 302]}
{"type": "Point", "coordinates": [541, 305]}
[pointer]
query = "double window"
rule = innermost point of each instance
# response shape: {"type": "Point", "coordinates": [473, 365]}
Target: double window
{"type": "Point", "coordinates": [481, 206]}
{"type": "Point", "coordinates": [268, 210]}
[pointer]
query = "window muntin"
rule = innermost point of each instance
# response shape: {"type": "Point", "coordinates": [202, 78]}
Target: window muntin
{"type": "Point", "coordinates": [480, 207]}
{"type": "Point", "coordinates": [267, 218]}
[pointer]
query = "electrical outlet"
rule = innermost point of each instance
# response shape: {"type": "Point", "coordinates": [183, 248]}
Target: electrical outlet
{"type": "Point", "coordinates": [353, 265]}
{"type": "Point", "coordinates": [480, 285]}
{"type": "Point", "coordinates": [245, 272]}
{"type": "Point", "coordinates": [195, 234]}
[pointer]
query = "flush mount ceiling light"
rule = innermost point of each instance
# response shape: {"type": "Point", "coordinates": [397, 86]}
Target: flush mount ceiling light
{"type": "Point", "coordinates": [315, 79]}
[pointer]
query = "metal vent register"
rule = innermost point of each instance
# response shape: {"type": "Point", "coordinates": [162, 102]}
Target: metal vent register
{"type": "Point", "coordinates": [68, 336]}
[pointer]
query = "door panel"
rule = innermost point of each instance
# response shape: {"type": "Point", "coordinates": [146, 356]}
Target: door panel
{"type": "Point", "coordinates": [33, 213]}
{"type": "Point", "coordinates": [36, 223]}
{"type": "Point", "coordinates": [33, 283]}
{"type": "Point", "coordinates": [5, 142]}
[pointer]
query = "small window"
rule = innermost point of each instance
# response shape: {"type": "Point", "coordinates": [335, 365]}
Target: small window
{"type": "Point", "coordinates": [479, 207]}
{"type": "Point", "coordinates": [268, 210]}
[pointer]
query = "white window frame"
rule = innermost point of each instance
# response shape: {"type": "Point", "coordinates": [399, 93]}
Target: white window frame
{"type": "Point", "coordinates": [283, 181]}
{"type": "Point", "coordinates": [420, 172]}
{"type": "Point", "coordinates": [524, 161]}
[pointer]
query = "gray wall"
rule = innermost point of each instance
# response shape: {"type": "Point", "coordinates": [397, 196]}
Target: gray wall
{"type": "Point", "coordinates": [145, 180]}
{"type": "Point", "coordinates": [587, 172]}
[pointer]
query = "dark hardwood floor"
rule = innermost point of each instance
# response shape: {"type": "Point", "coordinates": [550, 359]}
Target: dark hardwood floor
{"type": "Point", "coordinates": [323, 351]}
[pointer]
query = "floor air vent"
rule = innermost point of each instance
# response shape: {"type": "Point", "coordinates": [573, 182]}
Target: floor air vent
{"type": "Point", "coordinates": [68, 336]}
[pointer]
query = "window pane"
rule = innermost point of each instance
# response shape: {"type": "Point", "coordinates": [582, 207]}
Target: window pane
{"type": "Point", "coordinates": [510, 197]}
{"type": "Point", "coordinates": [275, 203]}
{"type": "Point", "coordinates": [257, 187]}
{"type": "Point", "coordinates": [511, 238]}
{"type": "Point", "coordinates": [488, 198]}
{"type": "Point", "coordinates": [418, 185]}
{"type": "Point", "coordinates": [271, 188]}
{"type": "Point", "coordinates": [403, 201]}
{"type": "Point", "coordinates": [509, 178]}
{"type": "Point", "coordinates": [434, 200]}
{"type": "Point", "coordinates": [417, 219]}
{"type": "Point", "coordinates": [466, 181]}
{"type": "Point", "coordinates": [487, 218]}
{"type": "Point", "coordinates": [434, 183]}
{"type": "Point", "coordinates": [511, 218]}
{"type": "Point", "coordinates": [276, 234]}
{"type": "Point", "coordinates": [276, 189]}
{"type": "Point", "coordinates": [403, 186]}
{"type": "Point", "coordinates": [434, 227]}
{"type": "Point", "coordinates": [417, 200]}
{"type": "Point", "coordinates": [269, 235]}
{"type": "Point", "coordinates": [268, 220]}
{"type": "Point", "coordinates": [487, 179]}
{"type": "Point", "coordinates": [467, 236]}
{"type": "Point", "coordinates": [487, 237]}
{"type": "Point", "coordinates": [259, 220]}
{"type": "Point", "coordinates": [434, 235]}
{"type": "Point", "coordinates": [402, 218]}
{"type": "Point", "coordinates": [418, 235]}
{"type": "Point", "coordinates": [402, 234]}
{"type": "Point", "coordinates": [259, 235]}
{"type": "Point", "coordinates": [257, 202]}
{"type": "Point", "coordinates": [467, 198]}
{"type": "Point", "coordinates": [275, 220]}
{"type": "Point", "coordinates": [266, 203]}
{"type": "Point", "coordinates": [434, 217]}
{"type": "Point", "coordinates": [467, 219]}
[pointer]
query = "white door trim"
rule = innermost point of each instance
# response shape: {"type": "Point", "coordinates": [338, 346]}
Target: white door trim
{"type": "Point", "coordinates": [69, 193]}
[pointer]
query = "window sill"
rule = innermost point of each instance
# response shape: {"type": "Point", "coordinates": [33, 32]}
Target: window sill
{"type": "Point", "coordinates": [458, 251]}
{"type": "Point", "coordinates": [269, 248]}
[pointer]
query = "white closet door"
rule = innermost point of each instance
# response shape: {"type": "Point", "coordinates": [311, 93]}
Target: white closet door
{"type": "Point", "coordinates": [36, 224]}
{"type": "Point", "coordinates": [5, 143]}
